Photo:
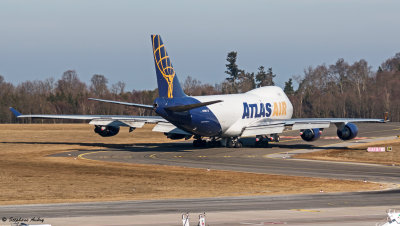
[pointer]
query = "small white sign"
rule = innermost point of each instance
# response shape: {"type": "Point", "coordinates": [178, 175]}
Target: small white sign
{"type": "Point", "coordinates": [185, 219]}
{"type": "Point", "coordinates": [376, 149]}
{"type": "Point", "coordinates": [202, 220]}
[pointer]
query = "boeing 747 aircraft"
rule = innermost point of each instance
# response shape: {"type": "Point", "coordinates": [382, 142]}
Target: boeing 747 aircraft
{"type": "Point", "coordinates": [263, 113]}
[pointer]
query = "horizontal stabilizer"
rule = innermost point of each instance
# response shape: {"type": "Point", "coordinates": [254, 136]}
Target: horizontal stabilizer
{"type": "Point", "coordinates": [124, 103]}
{"type": "Point", "coordinates": [187, 107]}
{"type": "Point", "coordinates": [15, 112]}
{"type": "Point", "coordinates": [167, 127]}
{"type": "Point", "coordinates": [123, 120]}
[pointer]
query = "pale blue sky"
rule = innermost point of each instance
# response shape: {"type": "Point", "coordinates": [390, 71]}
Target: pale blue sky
{"type": "Point", "coordinates": [43, 38]}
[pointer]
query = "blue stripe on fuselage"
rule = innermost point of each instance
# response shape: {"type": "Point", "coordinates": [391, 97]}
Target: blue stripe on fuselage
{"type": "Point", "coordinates": [199, 121]}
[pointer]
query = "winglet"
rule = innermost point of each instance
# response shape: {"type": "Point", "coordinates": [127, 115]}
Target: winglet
{"type": "Point", "coordinates": [386, 117]}
{"type": "Point", "coordinates": [15, 112]}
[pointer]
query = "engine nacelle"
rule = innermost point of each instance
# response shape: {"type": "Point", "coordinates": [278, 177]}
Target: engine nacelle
{"type": "Point", "coordinates": [106, 131]}
{"type": "Point", "coordinates": [176, 136]}
{"type": "Point", "coordinates": [311, 134]}
{"type": "Point", "coordinates": [348, 132]}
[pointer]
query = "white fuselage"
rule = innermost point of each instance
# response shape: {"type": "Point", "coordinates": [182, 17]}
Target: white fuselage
{"type": "Point", "coordinates": [237, 111]}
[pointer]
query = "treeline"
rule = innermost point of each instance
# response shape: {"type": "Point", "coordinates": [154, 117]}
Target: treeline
{"type": "Point", "coordinates": [337, 90]}
{"type": "Point", "coordinates": [69, 95]}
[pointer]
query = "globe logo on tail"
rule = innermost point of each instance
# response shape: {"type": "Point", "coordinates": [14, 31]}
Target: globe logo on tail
{"type": "Point", "coordinates": [163, 63]}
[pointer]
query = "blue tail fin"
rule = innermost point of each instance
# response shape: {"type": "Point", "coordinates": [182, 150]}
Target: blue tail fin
{"type": "Point", "coordinates": [168, 83]}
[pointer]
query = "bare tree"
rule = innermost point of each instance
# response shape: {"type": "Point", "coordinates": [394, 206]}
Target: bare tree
{"type": "Point", "coordinates": [191, 86]}
{"type": "Point", "coordinates": [99, 85]}
{"type": "Point", "coordinates": [118, 88]}
{"type": "Point", "coordinates": [391, 64]}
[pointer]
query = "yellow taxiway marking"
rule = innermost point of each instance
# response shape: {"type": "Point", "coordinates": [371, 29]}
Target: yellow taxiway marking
{"type": "Point", "coordinates": [283, 141]}
{"type": "Point", "coordinates": [227, 156]}
{"type": "Point", "coordinates": [305, 210]}
{"type": "Point", "coordinates": [88, 153]}
{"type": "Point", "coordinates": [202, 156]}
{"type": "Point", "coordinates": [178, 156]}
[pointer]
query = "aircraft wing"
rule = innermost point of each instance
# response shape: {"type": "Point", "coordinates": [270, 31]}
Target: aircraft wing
{"type": "Point", "coordinates": [114, 120]}
{"type": "Point", "coordinates": [177, 108]}
{"type": "Point", "coordinates": [124, 103]}
{"type": "Point", "coordinates": [267, 126]}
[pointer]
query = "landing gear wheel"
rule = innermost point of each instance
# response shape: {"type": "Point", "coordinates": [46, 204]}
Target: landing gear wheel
{"type": "Point", "coordinates": [230, 143]}
{"type": "Point", "coordinates": [238, 144]}
{"type": "Point", "coordinates": [213, 143]}
{"type": "Point", "coordinates": [261, 141]}
{"type": "Point", "coordinates": [196, 143]}
{"type": "Point", "coordinates": [233, 142]}
{"type": "Point", "coordinates": [199, 143]}
{"type": "Point", "coordinates": [276, 138]}
{"type": "Point", "coordinates": [203, 143]}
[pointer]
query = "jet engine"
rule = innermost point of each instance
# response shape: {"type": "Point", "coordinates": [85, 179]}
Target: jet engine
{"type": "Point", "coordinates": [348, 132]}
{"type": "Point", "coordinates": [311, 134]}
{"type": "Point", "coordinates": [177, 136]}
{"type": "Point", "coordinates": [106, 131]}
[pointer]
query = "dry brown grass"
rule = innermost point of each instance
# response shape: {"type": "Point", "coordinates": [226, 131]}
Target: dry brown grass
{"type": "Point", "coordinates": [28, 176]}
{"type": "Point", "coordinates": [358, 153]}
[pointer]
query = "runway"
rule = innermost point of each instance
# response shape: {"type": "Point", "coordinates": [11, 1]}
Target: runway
{"type": "Point", "coordinates": [247, 159]}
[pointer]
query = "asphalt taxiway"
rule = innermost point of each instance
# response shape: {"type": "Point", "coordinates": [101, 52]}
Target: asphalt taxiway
{"type": "Point", "coordinates": [247, 159]}
{"type": "Point", "coordinates": [269, 160]}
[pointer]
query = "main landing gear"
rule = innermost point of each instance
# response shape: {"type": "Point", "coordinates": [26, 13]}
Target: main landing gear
{"type": "Point", "coordinates": [263, 140]}
{"type": "Point", "coordinates": [213, 142]}
{"type": "Point", "coordinates": [199, 143]}
{"type": "Point", "coordinates": [233, 142]}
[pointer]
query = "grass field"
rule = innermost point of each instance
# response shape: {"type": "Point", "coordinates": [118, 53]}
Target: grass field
{"type": "Point", "coordinates": [358, 153]}
{"type": "Point", "coordinates": [28, 175]}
